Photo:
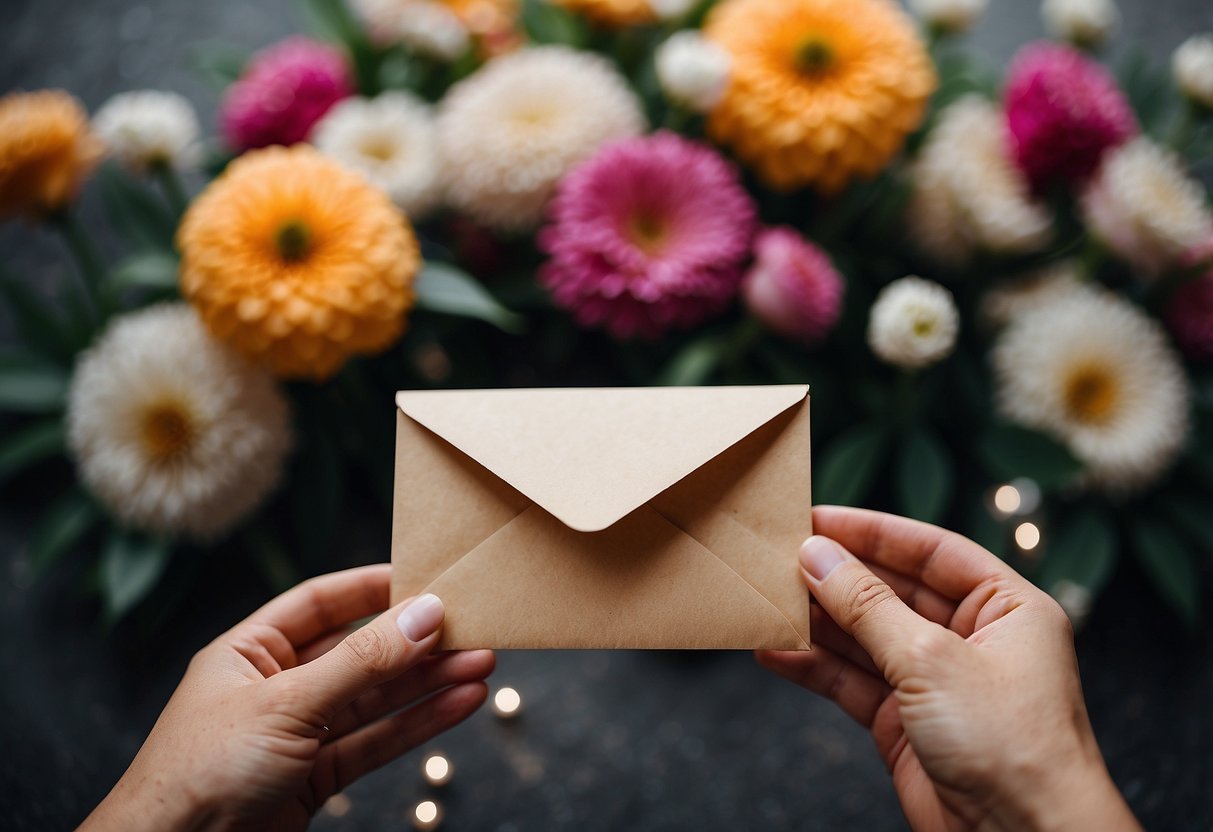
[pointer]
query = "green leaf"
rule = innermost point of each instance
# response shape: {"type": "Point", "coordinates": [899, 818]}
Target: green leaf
{"type": "Point", "coordinates": [40, 325]}
{"type": "Point", "coordinates": [1169, 566]}
{"type": "Point", "coordinates": [1190, 515]}
{"type": "Point", "coordinates": [20, 449]}
{"type": "Point", "coordinates": [131, 565]}
{"type": "Point", "coordinates": [138, 214]}
{"type": "Point", "coordinates": [547, 23]}
{"type": "Point", "coordinates": [446, 289]}
{"type": "Point", "coordinates": [924, 477]}
{"type": "Point", "coordinates": [849, 465]}
{"type": "Point", "coordinates": [1010, 452]}
{"type": "Point", "coordinates": [29, 384]}
{"type": "Point", "coordinates": [219, 63]}
{"type": "Point", "coordinates": [331, 19]}
{"type": "Point", "coordinates": [693, 364]}
{"type": "Point", "coordinates": [61, 528]}
{"type": "Point", "coordinates": [1082, 550]}
{"type": "Point", "coordinates": [148, 270]}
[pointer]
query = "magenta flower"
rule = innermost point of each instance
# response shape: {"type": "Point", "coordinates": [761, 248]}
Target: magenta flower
{"type": "Point", "coordinates": [1190, 311]}
{"type": "Point", "coordinates": [1064, 111]}
{"type": "Point", "coordinates": [793, 287]}
{"type": "Point", "coordinates": [285, 90]}
{"type": "Point", "coordinates": [650, 234]}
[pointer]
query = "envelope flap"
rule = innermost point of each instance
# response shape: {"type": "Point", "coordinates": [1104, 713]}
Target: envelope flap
{"type": "Point", "coordinates": [591, 456]}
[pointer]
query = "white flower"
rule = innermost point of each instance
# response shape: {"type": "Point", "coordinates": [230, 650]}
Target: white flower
{"type": "Point", "coordinates": [693, 71]}
{"type": "Point", "coordinates": [672, 9]}
{"type": "Point", "coordinates": [949, 15]}
{"type": "Point", "coordinates": [1084, 22]}
{"type": "Point", "coordinates": [172, 432]}
{"type": "Point", "coordinates": [509, 132]}
{"type": "Point", "coordinates": [391, 141]}
{"type": "Point", "coordinates": [913, 323]}
{"type": "Point", "coordinates": [429, 27]}
{"type": "Point", "coordinates": [1097, 373]}
{"type": "Point", "coordinates": [1143, 206]}
{"type": "Point", "coordinates": [1192, 65]}
{"type": "Point", "coordinates": [968, 194]}
{"type": "Point", "coordinates": [1005, 302]}
{"type": "Point", "coordinates": [145, 128]}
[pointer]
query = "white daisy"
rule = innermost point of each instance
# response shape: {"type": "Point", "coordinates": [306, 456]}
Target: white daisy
{"type": "Point", "coordinates": [693, 71]}
{"type": "Point", "coordinates": [913, 323]}
{"type": "Point", "coordinates": [391, 141]}
{"type": "Point", "coordinates": [1192, 66]}
{"type": "Point", "coordinates": [968, 194]}
{"type": "Point", "coordinates": [172, 432]}
{"type": "Point", "coordinates": [1143, 206]}
{"type": "Point", "coordinates": [426, 26]}
{"type": "Point", "coordinates": [1007, 301]}
{"type": "Point", "coordinates": [1098, 374]}
{"type": "Point", "coordinates": [1084, 22]}
{"type": "Point", "coordinates": [509, 132]}
{"type": "Point", "coordinates": [949, 15]}
{"type": "Point", "coordinates": [146, 128]}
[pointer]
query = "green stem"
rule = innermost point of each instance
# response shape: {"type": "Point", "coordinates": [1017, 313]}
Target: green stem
{"type": "Point", "coordinates": [91, 269]}
{"type": "Point", "coordinates": [174, 189]}
{"type": "Point", "coordinates": [906, 401]}
{"type": "Point", "coordinates": [1181, 135]}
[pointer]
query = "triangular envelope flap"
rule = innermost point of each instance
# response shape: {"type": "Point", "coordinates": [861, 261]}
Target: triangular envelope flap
{"type": "Point", "coordinates": [591, 456]}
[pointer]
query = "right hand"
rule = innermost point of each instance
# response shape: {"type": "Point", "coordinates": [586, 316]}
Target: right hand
{"type": "Point", "coordinates": [962, 670]}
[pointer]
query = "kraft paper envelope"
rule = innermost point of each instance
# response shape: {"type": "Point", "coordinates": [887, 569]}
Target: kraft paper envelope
{"type": "Point", "coordinates": [609, 518]}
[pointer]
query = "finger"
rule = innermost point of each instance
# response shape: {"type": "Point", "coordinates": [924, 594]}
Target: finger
{"type": "Point", "coordinates": [830, 635]}
{"type": "Point", "coordinates": [317, 648]}
{"type": "Point", "coordinates": [377, 744]}
{"type": "Point", "coordinates": [917, 596]}
{"type": "Point", "coordinates": [946, 562]}
{"type": "Point", "coordinates": [828, 674]}
{"type": "Point", "coordinates": [433, 674]}
{"type": "Point", "coordinates": [327, 603]}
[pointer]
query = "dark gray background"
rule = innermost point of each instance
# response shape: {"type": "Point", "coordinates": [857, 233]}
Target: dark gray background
{"type": "Point", "coordinates": [608, 740]}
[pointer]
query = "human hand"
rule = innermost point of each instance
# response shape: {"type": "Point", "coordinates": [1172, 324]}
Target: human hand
{"type": "Point", "coordinates": [962, 670]}
{"type": "Point", "coordinates": [291, 706]}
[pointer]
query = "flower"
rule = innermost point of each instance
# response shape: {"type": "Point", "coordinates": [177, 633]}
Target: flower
{"type": "Point", "coordinates": [822, 91]}
{"type": "Point", "coordinates": [1097, 373]}
{"type": "Point", "coordinates": [1082, 22]}
{"type": "Point", "coordinates": [648, 235]}
{"type": "Point", "coordinates": [510, 131]}
{"type": "Point", "coordinates": [672, 9]}
{"type": "Point", "coordinates": [1065, 112]}
{"type": "Point", "coordinates": [1009, 300]}
{"type": "Point", "coordinates": [390, 140]}
{"type": "Point", "coordinates": [145, 129]}
{"type": "Point", "coordinates": [968, 195]}
{"type": "Point", "coordinates": [297, 262]}
{"type": "Point", "coordinates": [171, 431]}
{"type": "Point", "coordinates": [793, 287]}
{"type": "Point", "coordinates": [428, 27]}
{"type": "Point", "coordinates": [693, 72]}
{"type": "Point", "coordinates": [612, 12]}
{"type": "Point", "coordinates": [284, 91]}
{"type": "Point", "coordinates": [1190, 317]}
{"type": "Point", "coordinates": [1143, 207]}
{"type": "Point", "coordinates": [46, 152]}
{"type": "Point", "coordinates": [913, 323]}
{"type": "Point", "coordinates": [949, 15]}
{"type": "Point", "coordinates": [1192, 66]}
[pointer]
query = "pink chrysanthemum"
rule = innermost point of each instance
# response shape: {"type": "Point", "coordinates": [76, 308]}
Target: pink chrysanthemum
{"type": "Point", "coordinates": [285, 89]}
{"type": "Point", "coordinates": [793, 287]}
{"type": "Point", "coordinates": [649, 234]}
{"type": "Point", "coordinates": [1064, 111]}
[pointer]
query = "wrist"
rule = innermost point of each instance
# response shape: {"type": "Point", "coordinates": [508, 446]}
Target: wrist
{"type": "Point", "coordinates": [1074, 797]}
{"type": "Point", "coordinates": [139, 803]}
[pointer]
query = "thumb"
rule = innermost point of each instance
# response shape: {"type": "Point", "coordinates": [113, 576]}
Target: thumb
{"type": "Point", "coordinates": [863, 605]}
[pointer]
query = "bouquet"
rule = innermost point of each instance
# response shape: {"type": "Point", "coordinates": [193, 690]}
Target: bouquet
{"type": "Point", "coordinates": [1000, 289]}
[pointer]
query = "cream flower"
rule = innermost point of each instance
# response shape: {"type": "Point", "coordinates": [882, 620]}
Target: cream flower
{"type": "Point", "coordinates": [146, 128]}
{"type": "Point", "coordinates": [426, 26]}
{"type": "Point", "coordinates": [913, 323]}
{"type": "Point", "coordinates": [1143, 206]}
{"type": "Point", "coordinates": [1005, 302]}
{"type": "Point", "coordinates": [949, 15]}
{"type": "Point", "coordinates": [1192, 66]}
{"type": "Point", "coordinates": [1084, 22]}
{"type": "Point", "coordinates": [672, 9]}
{"type": "Point", "coordinates": [968, 194]}
{"type": "Point", "coordinates": [389, 140]}
{"type": "Point", "coordinates": [172, 432]}
{"type": "Point", "coordinates": [509, 132]}
{"type": "Point", "coordinates": [693, 71]}
{"type": "Point", "coordinates": [1097, 373]}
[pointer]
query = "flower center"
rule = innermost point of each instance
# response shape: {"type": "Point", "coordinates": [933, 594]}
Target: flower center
{"type": "Point", "coordinates": [379, 148]}
{"type": "Point", "coordinates": [1090, 395]}
{"type": "Point", "coordinates": [167, 431]}
{"type": "Point", "coordinates": [923, 326]}
{"type": "Point", "coordinates": [814, 56]}
{"type": "Point", "coordinates": [293, 240]}
{"type": "Point", "coordinates": [648, 232]}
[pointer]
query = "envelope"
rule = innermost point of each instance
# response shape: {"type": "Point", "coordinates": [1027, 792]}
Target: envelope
{"type": "Point", "coordinates": [606, 518]}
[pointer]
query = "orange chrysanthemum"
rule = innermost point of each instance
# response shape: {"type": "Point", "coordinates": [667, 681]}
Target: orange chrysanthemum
{"type": "Point", "coordinates": [822, 91]}
{"type": "Point", "coordinates": [298, 262]}
{"type": "Point", "coordinates": [612, 12]}
{"type": "Point", "coordinates": [46, 152]}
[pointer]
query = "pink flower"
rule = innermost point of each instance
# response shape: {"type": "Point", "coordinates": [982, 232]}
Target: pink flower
{"type": "Point", "coordinates": [285, 89]}
{"type": "Point", "coordinates": [793, 287]}
{"type": "Point", "coordinates": [1190, 311]}
{"type": "Point", "coordinates": [1064, 111]}
{"type": "Point", "coordinates": [649, 234]}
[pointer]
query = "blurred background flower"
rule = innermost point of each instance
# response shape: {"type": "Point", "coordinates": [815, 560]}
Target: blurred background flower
{"type": "Point", "coordinates": [46, 152]}
{"type": "Point", "coordinates": [1086, 23]}
{"type": "Point", "coordinates": [147, 129]}
{"type": "Point", "coordinates": [913, 323]}
{"type": "Point", "coordinates": [793, 287]}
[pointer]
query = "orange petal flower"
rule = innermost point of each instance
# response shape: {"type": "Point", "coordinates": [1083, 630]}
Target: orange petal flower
{"type": "Point", "coordinates": [612, 12]}
{"type": "Point", "coordinates": [822, 90]}
{"type": "Point", "coordinates": [46, 152]}
{"type": "Point", "coordinates": [297, 262]}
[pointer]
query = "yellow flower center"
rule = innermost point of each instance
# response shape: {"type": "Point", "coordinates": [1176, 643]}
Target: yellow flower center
{"type": "Point", "coordinates": [923, 326]}
{"type": "Point", "coordinates": [379, 148]}
{"type": "Point", "coordinates": [1091, 394]}
{"type": "Point", "coordinates": [814, 56]}
{"type": "Point", "coordinates": [647, 232]}
{"type": "Point", "coordinates": [293, 239]}
{"type": "Point", "coordinates": [167, 430]}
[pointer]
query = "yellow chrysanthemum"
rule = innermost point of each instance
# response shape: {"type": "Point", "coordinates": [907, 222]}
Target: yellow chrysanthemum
{"type": "Point", "coordinates": [612, 12]}
{"type": "Point", "coordinates": [46, 152]}
{"type": "Point", "coordinates": [297, 262]}
{"type": "Point", "coordinates": [822, 91]}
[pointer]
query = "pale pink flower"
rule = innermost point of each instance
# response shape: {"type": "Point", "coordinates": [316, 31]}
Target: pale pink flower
{"type": "Point", "coordinates": [793, 287]}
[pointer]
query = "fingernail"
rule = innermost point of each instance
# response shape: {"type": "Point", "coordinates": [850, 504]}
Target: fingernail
{"type": "Point", "coordinates": [819, 555]}
{"type": "Point", "coordinates": [420, 618]}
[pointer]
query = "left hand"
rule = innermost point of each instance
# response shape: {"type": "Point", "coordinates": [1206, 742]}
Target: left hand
{"type": "Point", "coordinates": [291, 706]}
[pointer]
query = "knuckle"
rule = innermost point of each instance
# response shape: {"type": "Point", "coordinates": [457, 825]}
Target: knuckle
{"type": "Point", "coordinates": [930, 645]}
{"type": "Point", "coordinates": [867, 594]}
{"type": "Point", "coordinates": [370, 649]}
